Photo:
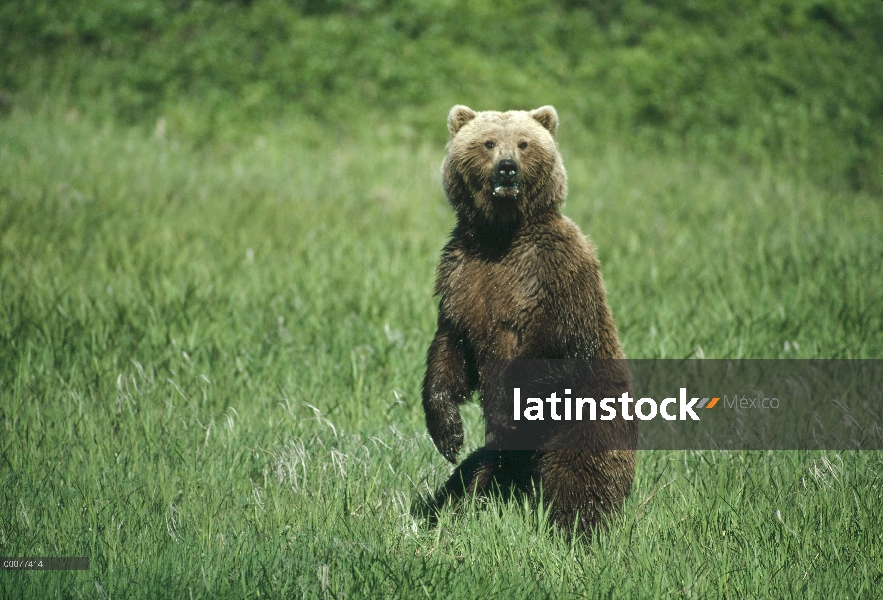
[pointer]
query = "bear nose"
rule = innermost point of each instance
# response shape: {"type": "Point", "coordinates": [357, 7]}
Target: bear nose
{"type": "Point", "coordinates": [507, 169]}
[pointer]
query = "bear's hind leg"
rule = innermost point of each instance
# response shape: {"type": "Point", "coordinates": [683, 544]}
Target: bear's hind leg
{"type": "Point", "coordinates": [585, 485]}
{"type": "Point", "coordinates": [481, 474]}
{"type": "Point", "coordinates": [473, 476]}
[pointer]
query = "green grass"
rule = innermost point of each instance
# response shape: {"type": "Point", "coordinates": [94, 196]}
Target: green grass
{"type": "Point", "coordinates": [785, 81]}
{"type": "Point", "coordinates": [210, 359]}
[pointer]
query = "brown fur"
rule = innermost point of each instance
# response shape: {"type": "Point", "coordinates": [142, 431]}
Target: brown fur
{"type": "Point", "coordinates": [519, 280]}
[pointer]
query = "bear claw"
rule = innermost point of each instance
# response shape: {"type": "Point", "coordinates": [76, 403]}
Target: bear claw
{"type": "Point", "coordinates": [449, 445]}
{"type": "Point", "coordinates": [450, 453]}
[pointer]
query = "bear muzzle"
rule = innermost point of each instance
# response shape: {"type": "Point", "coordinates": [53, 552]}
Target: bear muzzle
{"type": "Point", "coordinates": [506, 178]}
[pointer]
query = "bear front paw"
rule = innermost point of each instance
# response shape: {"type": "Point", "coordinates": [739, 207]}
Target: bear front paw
{"type": "Point", "coordinates": [447, 433]}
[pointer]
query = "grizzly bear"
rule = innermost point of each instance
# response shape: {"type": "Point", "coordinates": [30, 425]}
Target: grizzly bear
{"type": "Point", "coordinates": [518, 280]}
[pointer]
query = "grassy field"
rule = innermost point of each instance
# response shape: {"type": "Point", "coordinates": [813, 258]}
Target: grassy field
{"type": "Point", "coordinates": [219, 223]}
{"type": "Point", "coordinates": [787, 80]}
{"type": "Point", "coordinates": [210, 359]}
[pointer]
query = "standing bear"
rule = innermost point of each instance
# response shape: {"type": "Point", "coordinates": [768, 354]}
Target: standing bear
{"type": "Point", "coordinates": [518, 280]}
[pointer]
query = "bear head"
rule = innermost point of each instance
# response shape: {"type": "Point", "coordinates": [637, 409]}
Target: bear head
{"type": "Point", "coordinates": [503, 168]}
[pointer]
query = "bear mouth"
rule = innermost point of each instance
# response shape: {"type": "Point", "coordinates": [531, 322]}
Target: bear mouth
{"type": "Point", "coordinates": [506, 190]}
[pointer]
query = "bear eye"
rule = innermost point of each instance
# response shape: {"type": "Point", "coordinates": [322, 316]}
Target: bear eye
{"type": "Point", "coordinates": [522, 145]}
{"type": "Point", "coordinates": [489, 145]}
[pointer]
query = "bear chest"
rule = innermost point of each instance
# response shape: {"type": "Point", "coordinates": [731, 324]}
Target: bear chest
{"type": "Point", "coordinates": [493, 303]}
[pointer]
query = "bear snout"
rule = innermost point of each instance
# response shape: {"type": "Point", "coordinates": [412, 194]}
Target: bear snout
{"type": "Point", "coordinates": [507, 171]}
{"type": "Point", "coordinates": [506, 178]}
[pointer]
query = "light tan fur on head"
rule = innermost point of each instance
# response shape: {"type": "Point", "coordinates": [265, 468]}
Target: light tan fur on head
{"type": "Point", "coordinates": [547, 117]}
{"type": "Point", "coordinates": [459, 116]}
{"type": "Point", "coordinates": [480, 140]}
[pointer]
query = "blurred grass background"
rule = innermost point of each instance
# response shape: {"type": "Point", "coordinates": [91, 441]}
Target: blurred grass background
{"type": "Point", "coordinates": [795, 82]}
{"type": "Point", "coordinates": [218, 229]}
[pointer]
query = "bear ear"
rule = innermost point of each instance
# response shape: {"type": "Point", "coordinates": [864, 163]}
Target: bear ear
{"type": "Point", "coordinates": [547, 117]}
{"type": "Point", "coordinates": [458, 117]}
